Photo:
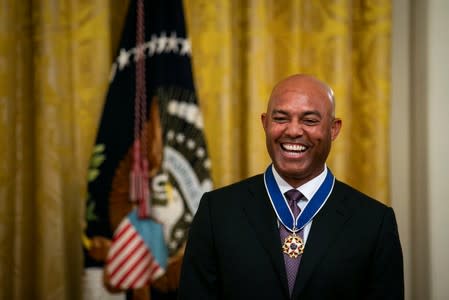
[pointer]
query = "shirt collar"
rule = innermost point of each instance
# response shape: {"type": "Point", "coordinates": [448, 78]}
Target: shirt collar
{"type": "Point", "coordinates": [308, 189]}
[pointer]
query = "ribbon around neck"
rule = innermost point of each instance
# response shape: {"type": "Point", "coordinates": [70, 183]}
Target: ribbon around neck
{"type": "Point", "coordinates": [280, 205]}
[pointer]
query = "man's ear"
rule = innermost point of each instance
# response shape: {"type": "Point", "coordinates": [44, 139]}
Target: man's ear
{"type": "Point", "coordinates": [335, 129]}
{"type": "Point", "coordinates": [263, 118]}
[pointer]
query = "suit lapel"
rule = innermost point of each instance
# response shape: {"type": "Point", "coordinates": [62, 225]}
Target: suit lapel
{"type": "Point", "coordinates": [262, 218]}
{"type": "Point", "coordinates": [324, 231]}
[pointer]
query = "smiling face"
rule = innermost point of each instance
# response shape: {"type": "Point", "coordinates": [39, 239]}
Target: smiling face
{"type": "Point", "coordinates": [299, 128]}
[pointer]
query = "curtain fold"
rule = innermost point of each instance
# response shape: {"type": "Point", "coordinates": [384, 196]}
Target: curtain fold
{"type": "Point", "coordinates": [55, 58]}
{"type": "Point", "coordinates": [16, 161]}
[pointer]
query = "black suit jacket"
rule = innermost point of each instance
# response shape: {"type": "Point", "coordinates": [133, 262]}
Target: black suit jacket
{"type": "Point", "coordinates": [234, 249]}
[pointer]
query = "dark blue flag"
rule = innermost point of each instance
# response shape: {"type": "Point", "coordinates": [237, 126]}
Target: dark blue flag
{"type": "Point", "coordinates": [150, 153]}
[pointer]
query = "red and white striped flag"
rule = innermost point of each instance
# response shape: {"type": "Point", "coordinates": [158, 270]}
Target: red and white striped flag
{"type": "Point", "coordinates": [131, 263]}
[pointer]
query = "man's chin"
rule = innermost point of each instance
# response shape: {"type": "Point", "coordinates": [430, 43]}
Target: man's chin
{"type": "Point", "coordinates": [291, 166]}
{"type": "Point", "coordinates": [291, 171]}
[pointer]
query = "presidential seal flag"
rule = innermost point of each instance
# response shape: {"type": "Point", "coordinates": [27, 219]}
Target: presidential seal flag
{"type": "Point", "coordinates": [150, 165]}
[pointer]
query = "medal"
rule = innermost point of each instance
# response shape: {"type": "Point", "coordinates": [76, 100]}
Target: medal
{"type": "Point", "coordinates": [293, 246]}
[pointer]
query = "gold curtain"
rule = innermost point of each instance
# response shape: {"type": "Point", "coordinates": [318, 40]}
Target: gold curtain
{"type": "Point", "coordinates": [55, 58]}
{"type": "Point", "coordinates": [242, 48]}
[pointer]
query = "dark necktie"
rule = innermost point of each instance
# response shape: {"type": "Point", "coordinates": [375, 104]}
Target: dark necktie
{"type": "Point", "coordinates": [291, 264]}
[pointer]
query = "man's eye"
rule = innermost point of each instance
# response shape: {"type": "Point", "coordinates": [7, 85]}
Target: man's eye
{"type": "Point", "coordinates": [311, 121]}
{"type": "Point", "coordinates": [280, 119]}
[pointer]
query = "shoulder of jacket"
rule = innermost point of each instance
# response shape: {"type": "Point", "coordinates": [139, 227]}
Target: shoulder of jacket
{"type": "Point", "coordinates": [239, 185]}
{"type": "Point", "coordinates": [352, 194]}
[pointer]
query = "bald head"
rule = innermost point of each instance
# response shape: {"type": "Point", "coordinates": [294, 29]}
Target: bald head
{"type": "Point", "coordinates": [300, 83]}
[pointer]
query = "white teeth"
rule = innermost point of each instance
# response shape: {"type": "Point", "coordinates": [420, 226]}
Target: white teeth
{"type": "Point", "coordinates": [294, 147]}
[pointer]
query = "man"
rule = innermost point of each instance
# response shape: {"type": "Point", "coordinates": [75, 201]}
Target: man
{"type": "Point", "coordinates": [247, 240]}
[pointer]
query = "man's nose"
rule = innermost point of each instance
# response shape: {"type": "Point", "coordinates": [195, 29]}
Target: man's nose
{"type": "Point", "coordinates": [294, 129]}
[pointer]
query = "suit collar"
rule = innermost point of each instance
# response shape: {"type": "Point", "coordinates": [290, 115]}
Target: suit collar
{"type": "Point", "coordinates": [324, 231]}
{"type": "Point", "coordinates": [263, 220]}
